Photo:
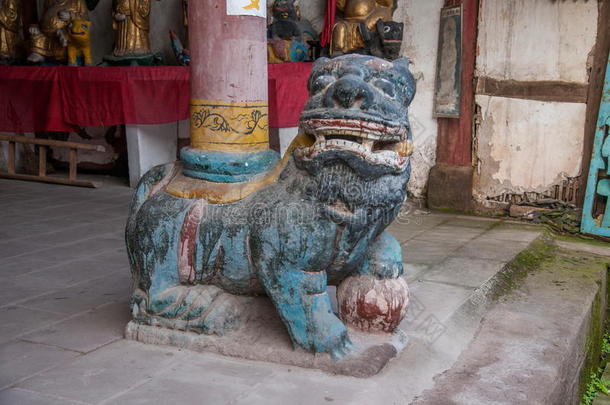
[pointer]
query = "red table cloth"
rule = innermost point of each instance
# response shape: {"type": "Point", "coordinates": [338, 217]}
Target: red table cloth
{"type": "Point", "coordinates": [61, 98]}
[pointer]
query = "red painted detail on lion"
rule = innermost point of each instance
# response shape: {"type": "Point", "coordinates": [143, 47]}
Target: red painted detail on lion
{"type": "Point", "coordinates": [188, 241]}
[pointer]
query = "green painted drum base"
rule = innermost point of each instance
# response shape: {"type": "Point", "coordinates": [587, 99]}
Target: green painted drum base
{"type": "Point", "coordinates": [224, 167]}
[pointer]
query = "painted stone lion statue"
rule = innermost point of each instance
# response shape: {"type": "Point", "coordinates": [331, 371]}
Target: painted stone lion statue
{"type": "Point", "coordinates": [317, 219]}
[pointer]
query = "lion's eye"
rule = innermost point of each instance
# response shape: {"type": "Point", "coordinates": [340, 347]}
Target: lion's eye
{"type": "Point", "coordinates": [321, 83]}
{"type": "Point", "coordinates": [385, 86]}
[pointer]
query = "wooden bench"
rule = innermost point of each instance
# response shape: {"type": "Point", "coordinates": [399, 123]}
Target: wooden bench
{"type": "Point", "coordinates": [42, 160]}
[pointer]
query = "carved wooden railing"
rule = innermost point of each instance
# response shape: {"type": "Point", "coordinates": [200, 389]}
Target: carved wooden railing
{"type": "Point", "coordinates": [42, 160]}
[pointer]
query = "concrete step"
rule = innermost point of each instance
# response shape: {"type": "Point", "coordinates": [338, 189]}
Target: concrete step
{"type": "Point", "coordinates": [540, 338]}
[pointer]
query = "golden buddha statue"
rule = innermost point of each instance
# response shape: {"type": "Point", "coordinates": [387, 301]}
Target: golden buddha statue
{"type": "Point", "coordinates": [50, 38]}
{"type": "Point", "coordinates": [131, 21]}
{"type": "Point", "coordinates": [10, 18]}
{"type": "Point", "coordinates": [358, 14]}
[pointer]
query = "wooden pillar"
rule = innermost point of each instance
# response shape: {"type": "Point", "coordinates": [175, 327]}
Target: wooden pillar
{"type": "Point", "coordinates": [229, 100]}
{"type": "Point", "coordinates": [450, 183]}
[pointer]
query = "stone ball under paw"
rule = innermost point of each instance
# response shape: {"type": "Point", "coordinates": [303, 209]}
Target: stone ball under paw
{"type": "Point", "coordinates": [371, 304]}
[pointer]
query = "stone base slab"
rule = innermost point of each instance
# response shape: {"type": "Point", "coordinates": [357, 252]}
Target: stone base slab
{"type": "Point", "coordinates": [264, 338]}
{"type": "Point", "coordinates": [450, 187]}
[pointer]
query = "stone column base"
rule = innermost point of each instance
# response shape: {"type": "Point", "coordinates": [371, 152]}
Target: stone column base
{"type": "Point", "coordinates": [450, 187]}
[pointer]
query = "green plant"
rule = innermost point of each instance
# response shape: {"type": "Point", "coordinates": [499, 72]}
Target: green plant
{"type": "Point", "coordinates": [595, 386]}
{"type": "Point", "coordinates": [606, 344]}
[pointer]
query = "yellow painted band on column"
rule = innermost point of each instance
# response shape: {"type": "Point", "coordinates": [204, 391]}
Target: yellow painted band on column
{"type": "Point", "coordinates": [230, 126]}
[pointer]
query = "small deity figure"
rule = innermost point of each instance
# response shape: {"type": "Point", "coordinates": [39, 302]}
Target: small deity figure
{"type": "Point", "coordinates": [131, 21]}
{"type": "Point", "coordinates": [366, 27]}
{"type": "Point", "coordinates": [10, 18]}
{"type": "Point", "coordinates": [79, 43]}
{"type": "Point", "coordinates": [183, 55]}
{"type": "Point", "coordinates": [50, 38]}
{"type": "Point", "coordinates": [285, 35]}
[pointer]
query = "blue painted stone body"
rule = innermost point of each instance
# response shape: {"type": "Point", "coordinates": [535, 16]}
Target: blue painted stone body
{"type": "Point", "coordinates": [600, 160]}
{"type": "Point", "coordinates": [319, 223]}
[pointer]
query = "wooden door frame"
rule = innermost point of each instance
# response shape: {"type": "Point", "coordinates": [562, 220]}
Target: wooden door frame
{"type": "Point", "coordinates": [451, 179]}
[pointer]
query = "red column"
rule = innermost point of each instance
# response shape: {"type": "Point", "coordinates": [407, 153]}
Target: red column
{"type": "Point", "coordinates": [455, 135]}
{"type": "Point", "coordinates": [451, 180]}
{"type": "Point", "coordinates": [228, 78]}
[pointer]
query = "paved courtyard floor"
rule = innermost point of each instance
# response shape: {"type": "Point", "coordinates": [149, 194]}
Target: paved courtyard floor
{"type": "Point", "coordinates": [65, 283]}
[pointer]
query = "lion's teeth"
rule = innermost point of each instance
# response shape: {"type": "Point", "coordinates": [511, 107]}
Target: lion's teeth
{"type": "Point", "coordinates": [320, 138]}
{"type": "Point", "coordinates": [368, 144]}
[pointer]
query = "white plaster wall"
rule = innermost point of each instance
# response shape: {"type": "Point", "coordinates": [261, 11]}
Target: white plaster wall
{"type": "Point", "coordinates": [527, 146]}
{"type": "Point", "coordinates": [536, 40]}
{"type": "Point", "coordinates": [421, 19]}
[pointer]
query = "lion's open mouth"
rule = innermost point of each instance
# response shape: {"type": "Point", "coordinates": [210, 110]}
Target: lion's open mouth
{"type": "Point", "coordinates": [376, 143]}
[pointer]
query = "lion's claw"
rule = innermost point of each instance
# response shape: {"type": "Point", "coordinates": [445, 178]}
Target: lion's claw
{"type": "Point", "coordinates": [344, 348]}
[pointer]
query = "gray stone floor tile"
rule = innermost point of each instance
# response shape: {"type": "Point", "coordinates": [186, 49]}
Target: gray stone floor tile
{"type": "Point", "coordinates": [415, 224]}
{"type": "Point", "coordinates": [414, 271]}
{"type": "Point", "coordinates": [202, 379]}
{"type": "Point", "coordinates": [425, 252]}
{"type": "Point", "coordinates": [12, 249]}
{"type": "Point", "coordinates": [16, 396]}
{"type": "Point", "coordinates": [491, 249]}
{"type": "Point", "coordinates": [105, 373]}
{"type": "Point", "coordinates": [23, 265]}
{"type": "Point", "coordinates": [452, 234]}
{"type": "Point", "coordinates": [22, 359]}
{"type": "Point", "coordinates": [461, 271]}
{"type": "Point", "coordinates": [83, 249]}
{"type": "Point", "coordinates": [433, 299]}
{"type": "Point", "coordinates": [15, 321]}
{"type": "Point", "coordinates": [472, 222]}
{"type": "Point", "coordinates": [16, 288]}
{"type": "Point", "coordinates": [72, 233]}
{"type": "Point", "coordinates": [303, 387]}
{"type": "Point", "coordinates": [515, 232]}
{"type": "Point", "coordinates": [34, 231]}
{"type": "Point", "coordinates": [80, 271]}
{"type": "Point", "coordinates": [12, 219]}
{"type": "Point", "coordinates": [116, 259]}
{"type": "Point", "coordinates": [91, 293]}
{"type": "Point", "coordinates": [88, 331]}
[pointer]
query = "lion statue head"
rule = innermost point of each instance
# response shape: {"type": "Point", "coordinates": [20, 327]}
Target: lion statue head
{"type": "Point", "coordinates": [357, 119]}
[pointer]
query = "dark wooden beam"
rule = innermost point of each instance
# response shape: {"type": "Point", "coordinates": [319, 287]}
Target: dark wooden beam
{"type": "Point", "coordinates": [538, 90]}
{"type": "Point", "coordinates": [49, 179]}
{"type": "Point", "coordinates": [596, 86]}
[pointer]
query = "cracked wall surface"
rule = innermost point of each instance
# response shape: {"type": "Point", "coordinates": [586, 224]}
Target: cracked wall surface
{"type": "Point", "coordinates": [525, 146]}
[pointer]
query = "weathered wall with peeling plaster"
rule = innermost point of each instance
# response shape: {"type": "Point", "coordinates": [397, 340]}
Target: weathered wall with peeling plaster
{"type": "Point", "coordinates": [420, 45]}
{"type": "Point", "coordinates": [523, 145]}
{"type": "Point", "coordinates": [527, 145]}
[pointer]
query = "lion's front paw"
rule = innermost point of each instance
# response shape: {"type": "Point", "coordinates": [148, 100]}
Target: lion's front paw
{"type": "Point", "coordinates": [342, 346]}
{"type": "Point", "coordinates": [330, 335]}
